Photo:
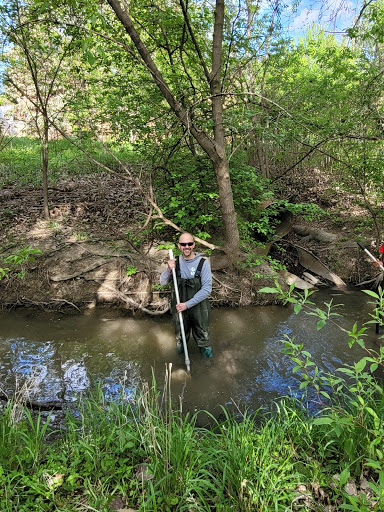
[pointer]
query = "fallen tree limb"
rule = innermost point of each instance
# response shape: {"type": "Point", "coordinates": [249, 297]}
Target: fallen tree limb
{"type": "Point", "coordinates": [370, 281]}
{"type": "Point", "coordinates": [63, 301]}
{"type": "Point", "coordinates": [225, 285]}
{"type": "Point", "coordinates": [132, 179]}
{"type": "Point", "coordinates": [93, 266]}
{"type": "Point", "coordinates": [33, 404]}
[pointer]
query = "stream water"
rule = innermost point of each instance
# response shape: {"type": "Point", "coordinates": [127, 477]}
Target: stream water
{"type": "Point", "coordinates": [63, 355]}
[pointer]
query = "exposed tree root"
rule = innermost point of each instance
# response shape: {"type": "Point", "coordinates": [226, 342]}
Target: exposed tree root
{"type": "Point", "coordinates": [127, 300]}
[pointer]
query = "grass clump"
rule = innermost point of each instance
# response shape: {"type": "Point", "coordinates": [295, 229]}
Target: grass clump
{"type": "Point", "coordinates": [147, 454]}
{"type": "Point", "coordinates": [144, 454]}
{"type": "Point", "coordinates": [21, 164]}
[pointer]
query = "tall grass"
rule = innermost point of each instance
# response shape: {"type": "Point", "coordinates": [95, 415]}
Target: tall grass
{"type": "Point", "coordinates": [20, 160]}
{"type": "Point", "coordinates": [148, 455]}
{"type": "Point", "coordinates": [146, 452]}
{"type": "Point", "coordinates": [258, 461]}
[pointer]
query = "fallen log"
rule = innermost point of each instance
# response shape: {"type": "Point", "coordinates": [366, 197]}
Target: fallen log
{"type": "Point", "coordinates": [313, 264]}
{"type": "Point", "coordinates": [33, 404]}
{"type": "Point", "coordinates": [90, 267]}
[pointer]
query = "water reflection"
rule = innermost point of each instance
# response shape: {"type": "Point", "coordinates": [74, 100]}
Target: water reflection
{"type": "Point", "coordinates": [66, 354]}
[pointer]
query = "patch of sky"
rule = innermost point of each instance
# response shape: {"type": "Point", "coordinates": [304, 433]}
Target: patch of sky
{"type": "Point", "coordinates": [333, 16]}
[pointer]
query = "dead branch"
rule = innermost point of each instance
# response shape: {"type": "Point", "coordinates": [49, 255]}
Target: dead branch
{"type": "Point", "coordinates": [81, 272]}
{"type": "Point", "coordinates": [225, 285]}
{"type": "Point", "coordinates": [47, 304]}
{"type": "Point", "coordinates": [132, 179]}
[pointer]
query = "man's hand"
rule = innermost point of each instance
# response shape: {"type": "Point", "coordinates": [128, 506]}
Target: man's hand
{"type": "Point", "coordinates": [377, 263]}
{"type": "Point", "coordinates": [181, 307]}
{"type": "Point", "coordinates": [171, 265]}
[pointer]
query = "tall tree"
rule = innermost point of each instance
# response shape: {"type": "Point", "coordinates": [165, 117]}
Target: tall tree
{"type": "Point", "coordinates": [35, 59]}
{"type": "Point", "coordinates": [214, 146]}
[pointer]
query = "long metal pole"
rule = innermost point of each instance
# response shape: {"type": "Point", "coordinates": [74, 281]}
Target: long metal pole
{"type": "Point", "coordinates": [370, 255]}
{"type": "Point", "coordinates": [187, 362]}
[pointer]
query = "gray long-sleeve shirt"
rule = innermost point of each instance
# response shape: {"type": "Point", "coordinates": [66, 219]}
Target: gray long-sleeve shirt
{"type": "Point", "coordinates": [187, 271]}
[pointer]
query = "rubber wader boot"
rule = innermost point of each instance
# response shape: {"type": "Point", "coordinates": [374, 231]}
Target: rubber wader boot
{"type": "Point", "coordinates": [206, 351]}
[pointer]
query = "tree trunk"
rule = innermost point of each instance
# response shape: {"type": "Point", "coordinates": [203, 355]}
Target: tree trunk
{"type": "Point", "coordinates": [220, 162]}
{"type": "Point", "coordinates": [231, 229]}
{"type": "Point", "coordinates": [44, 157]}
{"type": "Point", "coordinates": [215, 148]}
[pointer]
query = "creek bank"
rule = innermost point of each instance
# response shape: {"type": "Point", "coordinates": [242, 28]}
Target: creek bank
{"type": "Point", "coordinates": [90, 256]}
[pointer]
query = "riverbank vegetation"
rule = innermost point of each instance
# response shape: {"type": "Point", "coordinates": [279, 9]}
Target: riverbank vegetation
{"type": "Point", "coordinates": [166, 119]}
{"type": "Point", "coordinates": [132, 121]}
{"type": "Point", "coordinates": [219, 105]}
{"type": "Point", "coordinates": [144, 453]}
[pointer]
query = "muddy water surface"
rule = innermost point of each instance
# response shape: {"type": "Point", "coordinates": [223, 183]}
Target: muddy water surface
{"type": "Point", "coordinates": [66, 354]}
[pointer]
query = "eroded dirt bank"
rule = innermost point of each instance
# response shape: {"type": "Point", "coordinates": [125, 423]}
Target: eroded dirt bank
{"type": "Point", "coordinates": [89, 256]}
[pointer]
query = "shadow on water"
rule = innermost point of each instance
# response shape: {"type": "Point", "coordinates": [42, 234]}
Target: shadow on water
{"type": "Point", "coordinates": [66, 354]}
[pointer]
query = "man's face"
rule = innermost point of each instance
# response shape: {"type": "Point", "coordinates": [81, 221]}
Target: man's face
{"type": "Point", "coordinates": [186, 249]}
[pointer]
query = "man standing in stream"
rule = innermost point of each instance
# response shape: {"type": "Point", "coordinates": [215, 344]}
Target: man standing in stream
{"type": "Point", "coordinates": [194, 280]}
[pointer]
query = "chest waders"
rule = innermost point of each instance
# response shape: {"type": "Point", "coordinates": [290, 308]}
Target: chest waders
{"type": "Point", "coordinates": [196, 319]}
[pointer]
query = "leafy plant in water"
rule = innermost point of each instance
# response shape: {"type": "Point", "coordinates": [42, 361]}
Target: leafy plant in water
{"type": "Point", "coordinates": [351, 418]}
{"type": "Point", "coordinates": [377, 316]}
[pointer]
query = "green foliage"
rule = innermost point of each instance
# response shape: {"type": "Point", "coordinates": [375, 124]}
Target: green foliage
{"type": "Point", "coordinates": [371, 30]}
{"type": "Point", "coordinates": [160, 287]}
{"type": "Point", "coordinates": [4, 272]}
{"type": "Point", "coordinates": [172, 246]}
{"type": "Point", "coordinates": [81, 236]}
{"type": "Point", "coordinates": [269, 218]}
{"type": "Point", "coordinates": [21, 160]}
{"type": "Point", "coordinates": [260, 212]}
{"type": "Point", "coordinates": [130, 270]}
{"type": "Point", "coordinates": [147, 452]}
{"type": "Point", "coordinates": [22, 255]}
{"type": "Point", "coordinates": [350, 421]}
{"type": "Point", "coordinates": [252, 261]}
{"type": "Point", "coordinates": [258, 463]}
{"type": "Point", "coordinates": [17, 260]}
{"type": "Point", "coordinates": [187, 194]}
{"type": "Point", "coordinates": [320, 105]}
{"type": "Point", "coordinates": [377, 316]}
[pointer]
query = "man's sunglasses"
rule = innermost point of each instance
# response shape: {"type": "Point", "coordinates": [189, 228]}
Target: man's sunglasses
{"type": "Point", "coordinates": [184, 244]}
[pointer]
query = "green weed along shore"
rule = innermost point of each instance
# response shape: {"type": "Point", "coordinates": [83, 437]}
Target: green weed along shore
{"type": "Point", "coordinates": [144, 455]}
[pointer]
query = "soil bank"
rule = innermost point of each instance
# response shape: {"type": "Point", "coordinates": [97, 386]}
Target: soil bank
{"type": "Point", "coordinates": [90, 256]}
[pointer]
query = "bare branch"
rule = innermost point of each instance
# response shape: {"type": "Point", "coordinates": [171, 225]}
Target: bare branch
{"type": "Point", "coordinates": [365, 5]}
{"type": "Point", "coordinates": [195, 43]}
{"type": "Point", "coordinates": [128, 176]}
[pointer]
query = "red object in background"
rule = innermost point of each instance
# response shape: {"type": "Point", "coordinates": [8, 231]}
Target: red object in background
{"type": "Point", "coordinates": [382, 249]}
